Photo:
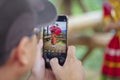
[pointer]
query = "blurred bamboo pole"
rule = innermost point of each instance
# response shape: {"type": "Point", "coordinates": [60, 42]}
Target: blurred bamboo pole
{"type": "Point", "coordinates": [86, 21]}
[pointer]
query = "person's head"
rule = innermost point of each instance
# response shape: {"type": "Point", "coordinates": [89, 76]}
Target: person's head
{"type": "Point", "coordinates": [18, 18]}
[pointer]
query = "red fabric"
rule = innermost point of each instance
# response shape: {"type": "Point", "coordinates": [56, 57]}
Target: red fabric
{"type": "Point", "coordinates": [113, 72]}
{"type": "Point", "coordinates": [114, 58]}
{"type": "Point", "coordinates": [115, 43]}
{"type": "Point", "coordinates": [111, 58]}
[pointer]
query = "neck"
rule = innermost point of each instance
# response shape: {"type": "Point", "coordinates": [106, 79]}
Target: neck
{"type": "Point", "coordinates": [7, 73]}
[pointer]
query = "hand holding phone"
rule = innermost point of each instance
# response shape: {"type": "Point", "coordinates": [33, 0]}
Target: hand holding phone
{"type": "Point", "coordinates": [55, 41]}
{"type": "Point", "coordinates": [72, 68]}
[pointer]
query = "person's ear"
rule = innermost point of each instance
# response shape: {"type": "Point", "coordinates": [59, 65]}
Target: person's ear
{"type": "Point", "coordinates": [21, 55]}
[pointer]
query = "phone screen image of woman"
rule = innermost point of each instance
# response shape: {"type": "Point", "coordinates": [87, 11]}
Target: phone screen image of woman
{"type": "Point", "coordinates": [55, 38]}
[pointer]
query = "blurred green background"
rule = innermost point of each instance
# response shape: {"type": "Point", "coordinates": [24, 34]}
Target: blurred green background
{"type": "Point", "coordinates": [93, 63]}
{"type": "Point", "coordinates": [92, 5]}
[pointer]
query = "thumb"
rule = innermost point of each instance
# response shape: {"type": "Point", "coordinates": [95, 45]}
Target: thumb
{"type": "Point", "coordinates": [55, 65]}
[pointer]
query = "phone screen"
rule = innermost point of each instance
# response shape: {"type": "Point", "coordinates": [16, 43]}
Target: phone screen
{"type": "Point", "coordinates": [55, 38]}
{"type": "Point", "coordinates": [55, 41]}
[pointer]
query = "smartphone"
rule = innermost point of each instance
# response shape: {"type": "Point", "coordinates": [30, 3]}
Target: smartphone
{"type": "Point", "coordinates": [55, 41]}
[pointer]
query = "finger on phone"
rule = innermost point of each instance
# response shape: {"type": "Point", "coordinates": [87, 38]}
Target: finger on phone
{"type": "Point", "coordinates": [55, 65]}
{"type": "Point", "coordinates": [71, 53]}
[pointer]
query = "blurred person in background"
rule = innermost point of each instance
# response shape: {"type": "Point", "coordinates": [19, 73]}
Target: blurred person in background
{"type": "Point", "coordinates": [111, 64]}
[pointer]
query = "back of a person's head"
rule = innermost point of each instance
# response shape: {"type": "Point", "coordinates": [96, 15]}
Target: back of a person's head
{"type": "Point", "coordinates": [18, 19]}
{"type": "Point", "coordinates": [10, 13]}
